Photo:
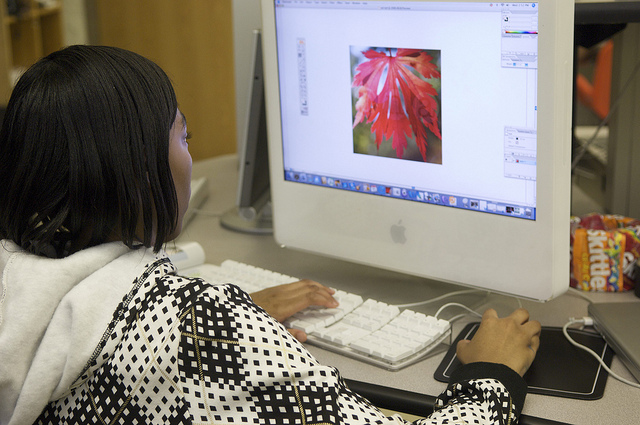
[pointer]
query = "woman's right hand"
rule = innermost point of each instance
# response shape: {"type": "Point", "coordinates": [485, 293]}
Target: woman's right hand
{"type": "Point", "coordinates": [513, 341]}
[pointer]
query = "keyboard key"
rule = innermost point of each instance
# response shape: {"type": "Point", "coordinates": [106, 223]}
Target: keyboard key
{"type": "Point", "coordinates": [341, 333]}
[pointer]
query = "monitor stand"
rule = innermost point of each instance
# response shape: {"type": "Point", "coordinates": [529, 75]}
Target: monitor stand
{"type": "Point", "coordinates": [254, 220]}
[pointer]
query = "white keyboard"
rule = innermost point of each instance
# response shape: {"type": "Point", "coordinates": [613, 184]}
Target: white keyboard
{"type": "Point", "coordinates": [367, 330]}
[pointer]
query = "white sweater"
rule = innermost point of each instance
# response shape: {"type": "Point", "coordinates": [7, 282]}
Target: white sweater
{"type": "Point", "coordinates": [53, 313]}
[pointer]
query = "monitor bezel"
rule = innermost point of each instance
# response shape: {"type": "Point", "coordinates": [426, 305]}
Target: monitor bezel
{"type": "Point", "coordinates": [524, 258]}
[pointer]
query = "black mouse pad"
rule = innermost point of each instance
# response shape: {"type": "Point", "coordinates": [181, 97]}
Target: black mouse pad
{"type": "Point", "coordinates": [559, 369]}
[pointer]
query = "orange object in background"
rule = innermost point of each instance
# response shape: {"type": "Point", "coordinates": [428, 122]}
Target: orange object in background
{"type": "Point", "coordinates": [596, 95]}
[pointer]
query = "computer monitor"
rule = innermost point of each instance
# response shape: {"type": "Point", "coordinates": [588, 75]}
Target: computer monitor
{"type": "Point", "coordinates": [426, 137]}
{"type": "Point", "coordinates": [252, 212]}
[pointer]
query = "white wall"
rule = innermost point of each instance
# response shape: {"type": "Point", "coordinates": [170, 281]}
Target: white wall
{"type": "Point", "coordinates": [246, 18]}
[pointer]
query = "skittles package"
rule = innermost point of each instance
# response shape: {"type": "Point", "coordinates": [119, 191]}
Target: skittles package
{"type": "Point", "coordinates": [604, 252]}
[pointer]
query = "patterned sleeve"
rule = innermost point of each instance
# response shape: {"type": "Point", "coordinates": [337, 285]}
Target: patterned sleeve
{"type": "Point", "coordinates": [237, 364]}
{"type": "Point", "coordinates": [181, 351]}
{"type": "Point", "coordinates": [476, 401]}
{"type": "Point", "coordinates": [493, 391]}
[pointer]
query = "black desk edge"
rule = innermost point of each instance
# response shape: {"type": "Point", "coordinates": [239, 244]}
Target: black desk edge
{"type": "Point", "coordinates": [415, 403]}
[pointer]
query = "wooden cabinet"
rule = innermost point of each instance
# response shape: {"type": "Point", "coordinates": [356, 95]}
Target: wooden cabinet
{"type": "Point", "coordinates": [33, 29]}
{"type": "Point", "coordinates": [193, 42]}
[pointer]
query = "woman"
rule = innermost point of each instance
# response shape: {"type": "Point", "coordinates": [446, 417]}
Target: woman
{"type": "Point", "coordinates": [95, 326]}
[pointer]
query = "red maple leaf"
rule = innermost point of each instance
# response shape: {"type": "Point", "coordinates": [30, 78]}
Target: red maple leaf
{"type": "Point", "coordinates": [405, 105]}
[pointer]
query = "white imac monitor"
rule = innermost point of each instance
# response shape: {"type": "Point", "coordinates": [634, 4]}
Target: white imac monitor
{"type": "Point", "coordinates": [426, 137]}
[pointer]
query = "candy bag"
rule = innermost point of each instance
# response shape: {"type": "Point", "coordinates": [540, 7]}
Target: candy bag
{"type": "Point", "coordinates": [604, 252]}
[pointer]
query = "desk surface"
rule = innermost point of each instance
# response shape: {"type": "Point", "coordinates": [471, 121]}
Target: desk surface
{"type": "Point", "coordinates": [619, 405]}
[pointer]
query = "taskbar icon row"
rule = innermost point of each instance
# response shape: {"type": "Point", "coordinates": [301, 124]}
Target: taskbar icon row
{"type": "Point", "coordinates": [413, 194]}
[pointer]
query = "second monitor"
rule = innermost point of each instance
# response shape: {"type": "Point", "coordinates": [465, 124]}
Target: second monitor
{"type": "Point", "coordinates": [252, 212]}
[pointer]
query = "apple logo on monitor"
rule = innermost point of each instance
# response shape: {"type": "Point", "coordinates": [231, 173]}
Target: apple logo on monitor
{"type": "Point", "coordinates": [398, 233]}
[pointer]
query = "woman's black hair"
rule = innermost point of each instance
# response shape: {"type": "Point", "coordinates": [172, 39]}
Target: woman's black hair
{"type": "Point", "coordinates": [84, 153]}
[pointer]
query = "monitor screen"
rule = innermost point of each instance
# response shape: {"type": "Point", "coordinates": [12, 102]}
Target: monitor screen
{"type": "Point", "coordinates": [427, 137]}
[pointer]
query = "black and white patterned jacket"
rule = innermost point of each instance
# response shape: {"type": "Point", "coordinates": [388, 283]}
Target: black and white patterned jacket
{"type": "Point", "coordinates": [180, 350]}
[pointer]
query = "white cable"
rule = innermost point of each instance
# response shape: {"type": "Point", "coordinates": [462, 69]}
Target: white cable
{"type": "Point", "coordinates": [458, 317]}
{"type": "Point", "coordinates": [456, 305]}
{"type": "Point", "coordinates": [593, 353]}
{"type": "Point", "coordinates": [579, 293]}
{"type": "Point", "coordinates": [440, 298]}
{"type": "Point", "coordinates": [519, 302]}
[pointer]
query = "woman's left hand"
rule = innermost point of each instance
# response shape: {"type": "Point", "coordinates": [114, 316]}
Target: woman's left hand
{"type": "Point", "coordinates": [283, 301]}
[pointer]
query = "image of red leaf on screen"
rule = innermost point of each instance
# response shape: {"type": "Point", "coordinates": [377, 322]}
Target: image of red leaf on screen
{"type": "Point", "coordinates": [396, 103]}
